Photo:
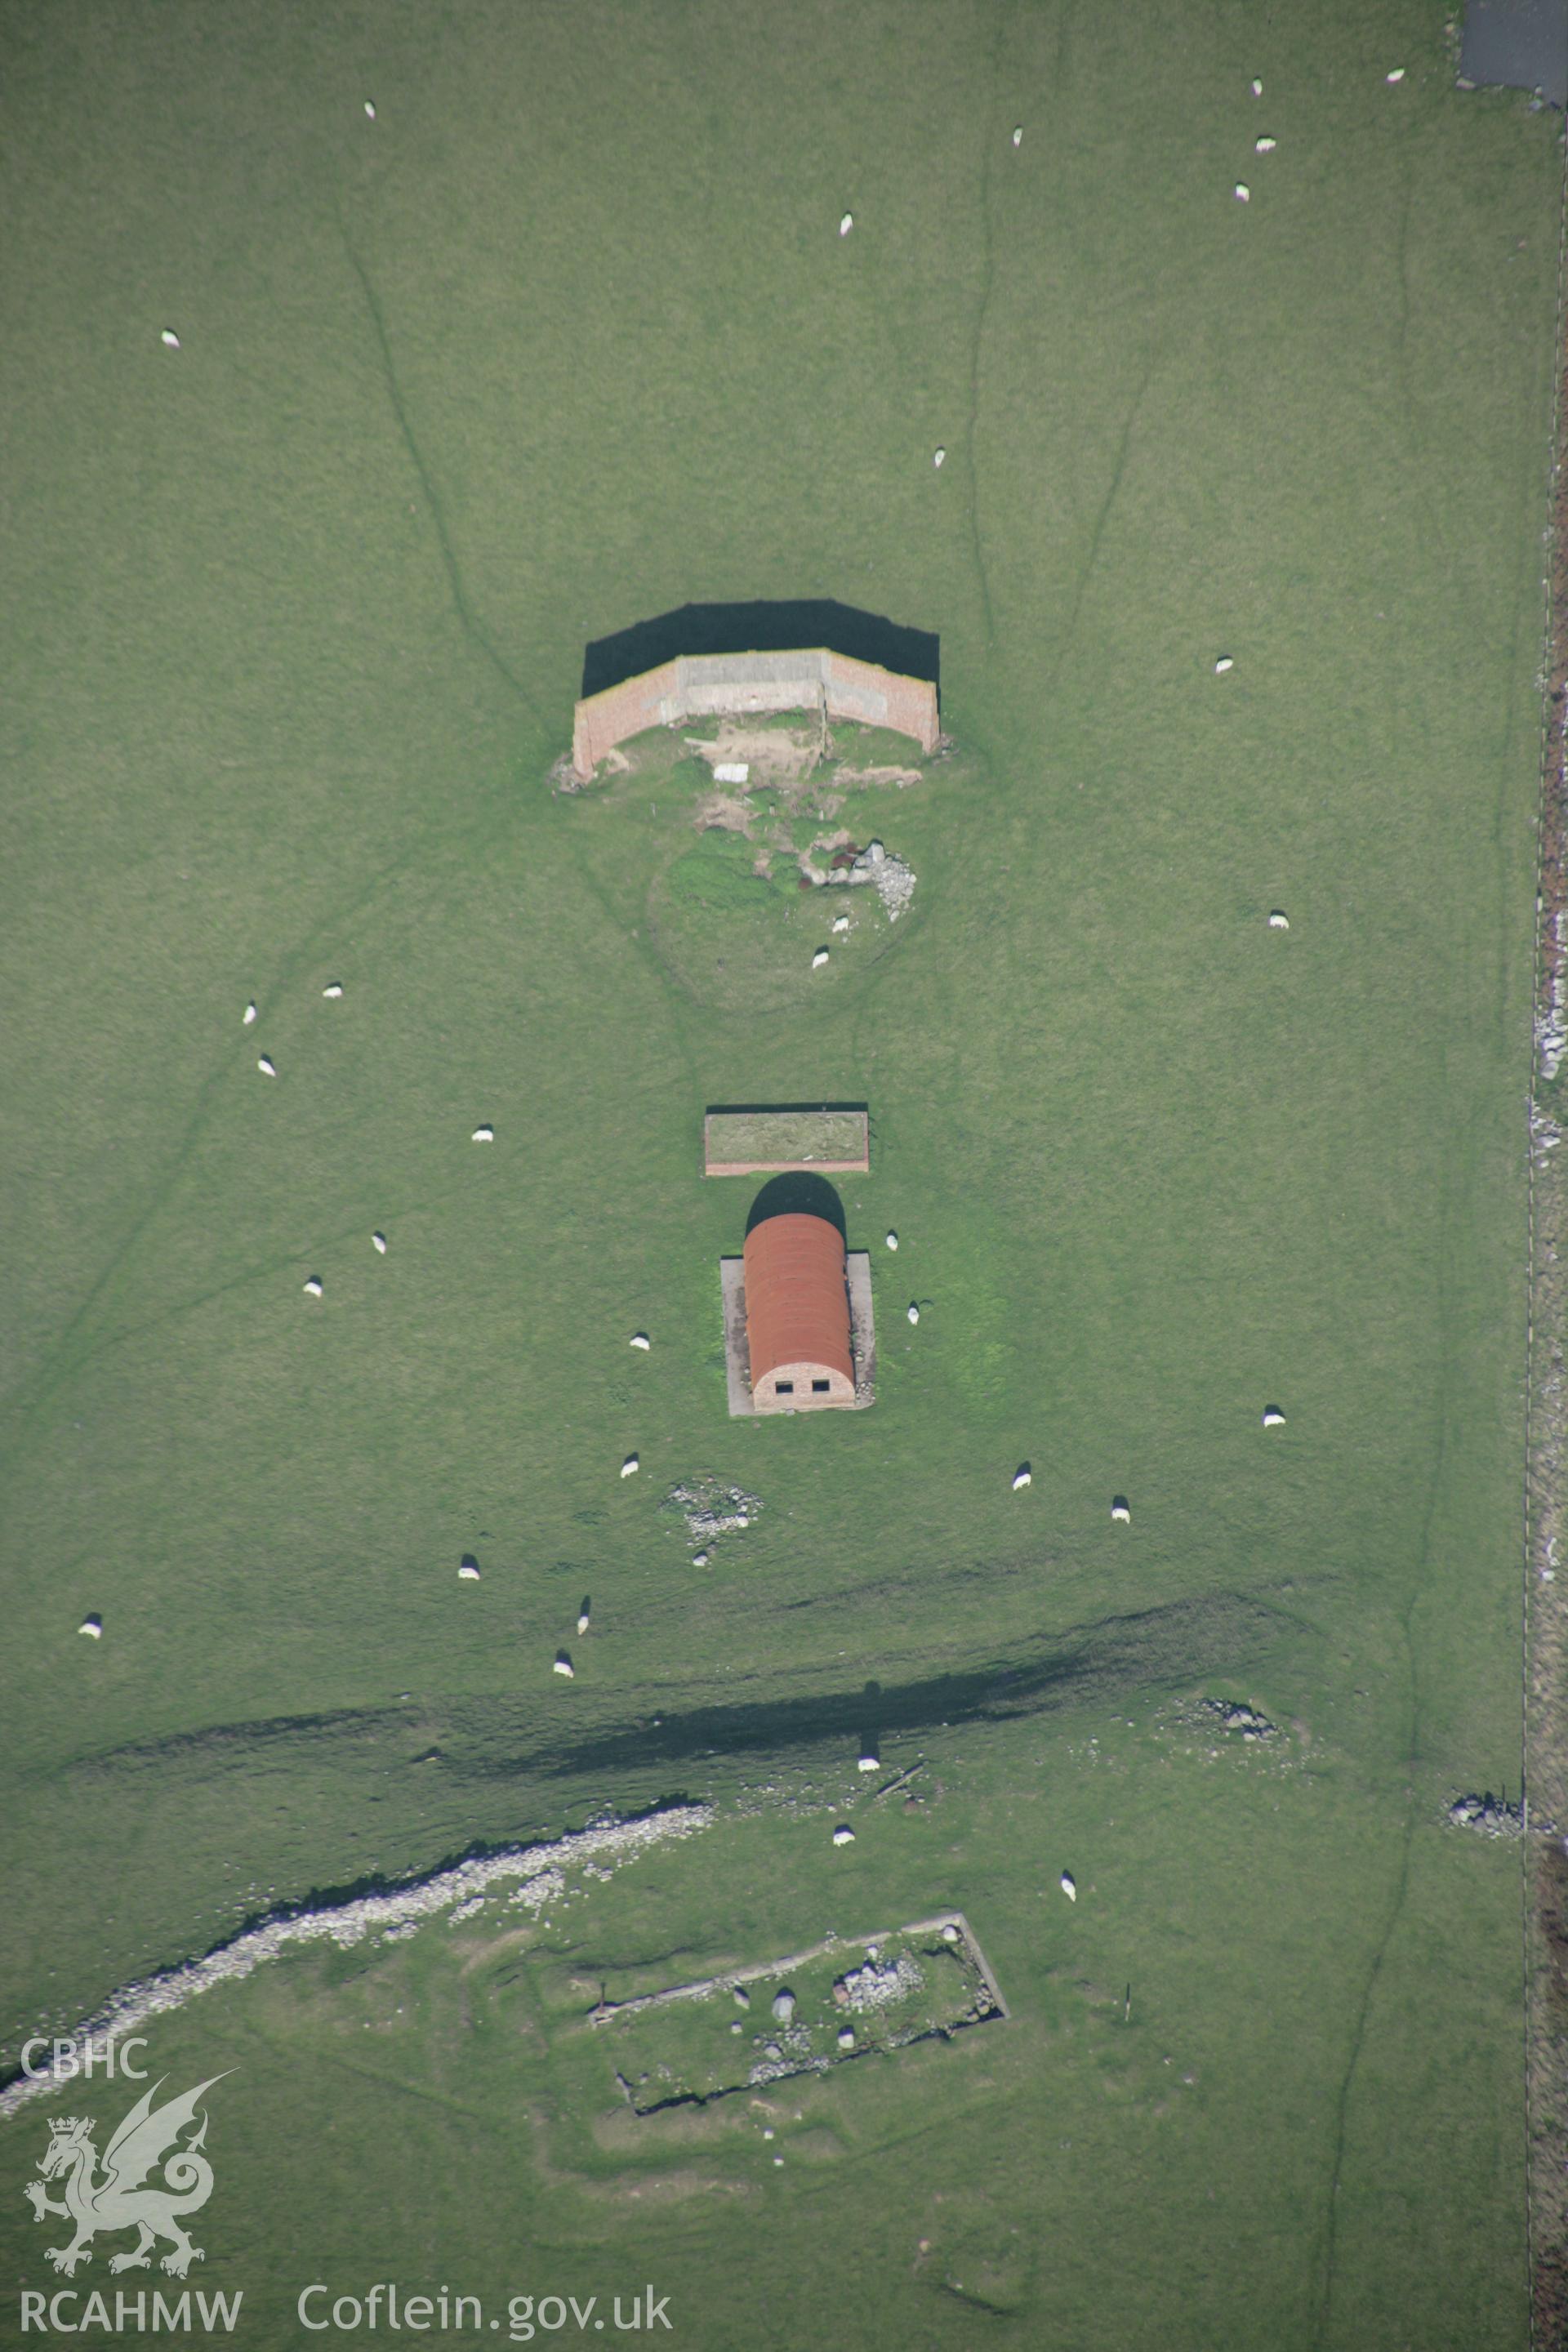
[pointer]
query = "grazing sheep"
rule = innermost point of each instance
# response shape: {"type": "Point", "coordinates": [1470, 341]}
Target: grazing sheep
{"type": "Point", "coordinates": [819, 959]}
{"type": "Point", "coordinates": [892, 1240]}
{"type": "Point", "coordinates": [1273, 1418]}
{"type": "Point", "coordinates": [249, 1015]}
{"type": "Point", "coordinates": [1023, 1477]}
{"type": "Point", "coordinates": [469, 1570]}
{"type": "Point", "coordinates": [378, 1242]}
{"type": "Point", "coordinates": [841, 922]}
{"type": "Point", "coordinates": [699, 1560]}
{"type": "Point", "coordinates": [169, 337]}
{"type": "Point", "coordinates": [583, 1615]}
{"type": "Point", "coordinates": [1018, 135]}
{"type": "Point", "coordinates": [265, 1064]}
{"type": "Point", "coordinates": [939, 458]}
{"type": "Point", "coordinates": [842, 1835]}
{"type": "Point", "coordinates": [313, 1287]}
{"type": "Point", "coordinates": [484, 1135]}
{"type": "Point", "coordinates": [847, 224]}
{"type": "Point", "coordinates": [92, 1627]}
{"type": "Point", "coordinates": [370, 110]}
{"type": "Point", "coordinates": [1397, 75]}
{"type": "Point", "coordinates": [1119, 1511]}
{"type": "Point", "coordinates": [1224, 662]}
{"type": "Point", "coordinates": [847, 2037]}
{"type": "Point", "coordinates": [1257, 90]}
{"type": "Point", "coordinates": [914, 1312]}
{"type": "Point", "coordinates": [629, 1465]}
{"type": "Point", "coordinates": [333, 988]}
{"type": "Point", "coordinates": [640, 1340]}
{"type": "Point", "coordinates": [564, 1665]}
{"type": "Point", "coordinates": [1243, 192]}
{"type": "Point", "coordinates": [1265, 146]}
{"type": "Point", "coordinates": [1278, 920]}
{"type": "Point", "coordinates": [1069, 1886]}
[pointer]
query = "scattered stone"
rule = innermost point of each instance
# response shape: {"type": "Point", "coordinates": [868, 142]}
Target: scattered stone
{"type": "Point", "coordinates": [699, 1560]}
{"type": "Point", "coordinates": [333, 988]}
{"type": "Point", "coordinates": [1023, 1477]}
{"type": "Point", "coordinates": [878, 1984]}
{"type": "Point", "coordinates": [869, 1764]}
{"type": "Point", "coordinates": [1493, 1816]}
{"type": "Point", "coordinates": [950, 1934]}
{"type": "Point", "coordinates": [847, 2037]}
{"type": "Point", "coordinates": [564, 1665]}
{"type": "Point", "coordinates": [742, 1998]}
{"type": "Point", "coordinates": [783, 2005]}
{"type": "Point", "coordinates": [640, 1340]}
{"type": "Point", "coordinates": [314, 1287]}
{"type": "Point", "coordinates": [630, 1467]}
{"type": "Point", "coordinates": [731, 771]}
{"type": "Point", "coordinates": [842, 1835]}
{"type": "Point", "coordinates": [92, 1627]}
{"type": "Point", "coordinates": [1069, 1886]}
{"type": "Point", "coordinates": [710, 1508]}
{"type": "Point", "coordinates": [264, 1064]}
{"type": "Point", "coordinates": [484, 1135]}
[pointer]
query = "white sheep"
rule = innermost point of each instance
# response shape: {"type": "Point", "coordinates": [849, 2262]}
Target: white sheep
{"type": "Point", "coordinates": [1224, 662]}
{"type": "Point", "coordinates": [1265, 146]}
{"type": "Point", "coordinates": [470, 1571]}
{"type": "Point", "coordinates": [940, 459]}
{"type": "Point", "coordinates": [869, 1764]}
{"type": "Point", "coordinates": [1397, 75]}
{"type": "Point", "coordinates": [1257, 90]}
{"type": "Point", "coordinates": [640, 1340]}
{"type": "Point", "coordinates": [847, 2037]}
{"type": "Point", "coordinates": [333, 988]}
{"type": "Point", "coordinates": [1273, 1418]}
{"type": "Point", "coordinates": [582, 1619]}
{"type": "Point", "coordinates": [1069, 1886]}
{"type": "Point", "coordinates": [313, 1287]}
{"type": "Point", "coordinates": [484, 1135]}
{"type": "Point", "coordinates": [1023, 1477]}
{"type": "Point", "coordinates": [169, 338]}
{"type": "Point", "coordinates": [631, 1465]}
{"type": "Point", "coordinates": [842, 1835]}
{"type": "Point", "coordinates": [892, 1240]}
{"type": "Point", "coordinates": [370, 110]}
{"type": "Point", "coordinates": [378, 1244]}
{"type": "Point", "coordinates": [249, 1015]}
{"type": "Point", "coordinates": [819, 959]}
{"type": "Point", "coordinates": [1119, 1511]}
{"type": "Point", "coordinates": [841, 922]}
{"type": "Point", "coordinates": [1018, 135]}
{"type": "Point", "coordinates": [92, 1627]}
{"type": "Point", "coordinates": [913, 1312]}
{"type": "Point", "coordinates": [1243, 192]}
{"type": "Point", "coordinates": [1278, 920]}
{"type": "Point", "coordinates": [265, 1064]}
{"type": "Point", "coordinates": [564, 1665]}
{"type": "Point", "coordinates": [847, 224]}
{"type": "Point", "coordinates": [699, 1560]}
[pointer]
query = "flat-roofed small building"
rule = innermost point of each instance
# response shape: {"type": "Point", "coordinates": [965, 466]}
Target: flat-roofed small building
{"type": "Point", "coordinates": [798, 1315]}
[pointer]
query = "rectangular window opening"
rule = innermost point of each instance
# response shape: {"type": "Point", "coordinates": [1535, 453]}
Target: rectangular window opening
{"type": "Point", "coordinates": [783, 1388]}
{"type": "Point", "coordinates": [820, 1388]}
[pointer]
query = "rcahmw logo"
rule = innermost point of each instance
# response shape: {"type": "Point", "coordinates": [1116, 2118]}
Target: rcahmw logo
{"type": "Point", "coordinates": [147, 2141]}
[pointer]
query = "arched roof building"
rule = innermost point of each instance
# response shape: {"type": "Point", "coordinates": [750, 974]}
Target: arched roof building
{"type": "Point", "coordinates": [798, 1315]}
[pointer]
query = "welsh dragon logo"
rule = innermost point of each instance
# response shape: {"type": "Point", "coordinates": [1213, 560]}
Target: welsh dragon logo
{"type": "Point", "coordinates": [148, 2137]}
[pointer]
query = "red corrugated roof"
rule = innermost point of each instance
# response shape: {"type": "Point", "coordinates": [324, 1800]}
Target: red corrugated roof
{"type": "Point", "coordinates": [797, 1307]}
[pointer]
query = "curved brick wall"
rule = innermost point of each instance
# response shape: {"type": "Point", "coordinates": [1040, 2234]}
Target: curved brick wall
{"type": "Point", "coordinates": [797, 1310]}
{"type": "Point", "coordinates": [703, 685]}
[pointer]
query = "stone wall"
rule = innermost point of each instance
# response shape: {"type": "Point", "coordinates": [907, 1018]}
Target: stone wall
{"type": "Point", "coordinates": [699, 686]}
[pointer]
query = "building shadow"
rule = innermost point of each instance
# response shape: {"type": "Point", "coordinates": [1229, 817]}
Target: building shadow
{"type": "Point", "coordinates": [785, 625]}
{"type": "Point", "coordinates": [797, 1194]}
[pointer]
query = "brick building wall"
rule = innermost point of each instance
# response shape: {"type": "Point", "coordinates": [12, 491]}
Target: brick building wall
{"type": "Point", "coordinates": [705, 685]}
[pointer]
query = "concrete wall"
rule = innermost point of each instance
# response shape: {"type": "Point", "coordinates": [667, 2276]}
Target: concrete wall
{"type": "Point", "coordinates": [696, 686]}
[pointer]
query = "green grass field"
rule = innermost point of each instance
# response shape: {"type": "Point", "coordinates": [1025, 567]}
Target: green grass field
{"type": "Point", "coordinates": [562, 338]}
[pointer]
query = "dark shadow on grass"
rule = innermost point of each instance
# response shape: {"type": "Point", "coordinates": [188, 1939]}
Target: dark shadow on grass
{"type": "Point", "coordinates": [787, 625]}
{"type": "Point", "coordinates": [797, 1194]}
